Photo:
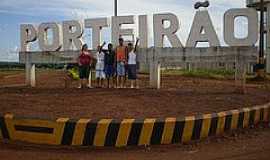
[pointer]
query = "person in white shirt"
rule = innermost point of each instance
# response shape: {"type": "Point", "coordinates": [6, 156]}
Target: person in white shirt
{"type": "Point", "coordinates": [132, 64]}
{"type": "Point", "coordinates": [100, 74]}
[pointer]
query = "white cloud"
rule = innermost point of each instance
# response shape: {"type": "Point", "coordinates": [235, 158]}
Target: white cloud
{"type": "Point", "coordinates": [232, 3]}
{"type": "Point", "coordinates": [100, 7]}
{"type": "Point", "coordinates": [9, 55]}
{"type": "Point", "coordinates": [51, 7]}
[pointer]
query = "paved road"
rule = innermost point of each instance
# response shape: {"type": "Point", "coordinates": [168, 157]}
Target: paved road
{"type": "Point", "coordinates": [249, 145]}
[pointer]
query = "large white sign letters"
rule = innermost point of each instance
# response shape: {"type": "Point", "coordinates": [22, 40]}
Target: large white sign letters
{"type": "Point", "coordinates": [68, 35]}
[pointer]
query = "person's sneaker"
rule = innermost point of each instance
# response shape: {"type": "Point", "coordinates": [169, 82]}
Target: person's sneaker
{"type": "Point", "coordinates": [79, 87]}
{"type": "Point", "coordinates": [90, 87]}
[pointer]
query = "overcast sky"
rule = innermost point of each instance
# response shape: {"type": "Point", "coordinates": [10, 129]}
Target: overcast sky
{"type": "Point", "coordinates": [15, 12]}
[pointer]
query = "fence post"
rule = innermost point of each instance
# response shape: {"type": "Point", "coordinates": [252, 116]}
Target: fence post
{"type": "Point", "coordinates": [240, 72]}
{"type": "Point", "coordinates": [154, 70]}
{"type": "Point", "coordinates": [30, 71]}
{"type": "Point", "coordinates": [268, 40]}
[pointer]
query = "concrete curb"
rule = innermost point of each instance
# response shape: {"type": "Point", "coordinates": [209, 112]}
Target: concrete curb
{"type": "Point", "coordinates": [129, 132]}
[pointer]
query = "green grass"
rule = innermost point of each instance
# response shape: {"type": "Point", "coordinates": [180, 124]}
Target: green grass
{"type": "Point", "coordinates": [202, 73]}
{"type": "Point", "coordinates": [256, 79]}
{"type": "Point", "coordinates": [10, 69]}
{"type": "Point", "coordinates": [7, 72]}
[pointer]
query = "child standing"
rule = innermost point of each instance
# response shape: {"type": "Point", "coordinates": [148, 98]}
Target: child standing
{"type": "Point", "coordinates": [110, 64]}
{"type": "Point", "coordinates": [132, 64]}
{"type": "Point", "coordinates": [84, 62]}
{"type": "Point", "coordinates": [100, 74]}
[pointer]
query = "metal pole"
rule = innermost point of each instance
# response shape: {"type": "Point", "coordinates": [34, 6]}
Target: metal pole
{"type": "Point", "coordinates": [115, 7]}
{"type": "Point", "coordinates": [261, 49]}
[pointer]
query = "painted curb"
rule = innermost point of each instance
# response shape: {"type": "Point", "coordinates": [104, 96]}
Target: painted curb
{"type": "Point", "coordinates": [129, 132]}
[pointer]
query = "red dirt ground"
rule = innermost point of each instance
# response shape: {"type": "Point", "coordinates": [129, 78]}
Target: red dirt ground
{"type": "Point", "coordinates": [249, 145]}
{"type": "Point", "coordinates": [180, 96]}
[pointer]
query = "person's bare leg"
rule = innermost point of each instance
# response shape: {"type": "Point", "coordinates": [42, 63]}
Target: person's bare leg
{"type": "Point", "coordinates": [90, 80]}
{"type": "Point", "coordinates": [114, 81]}
{"type": "Point", "coordinates": [80, 83]}
{"type": "Point", "coordinates": [98, 80]}
{"type": "Point", "coordinates": [132, 84]}
{"type": "Point", "coordinates": [117, 81]}
{"type": "Point", "coordinates": [122, 82]}
{"type": "Point", "coordinates": [101, 83]}
{"type": "Point", "coordinates": [137, 84]}
{"type": "Point", "coordinates": [83, 83]}
{"type": "Point", "coordinates": [108, 82]}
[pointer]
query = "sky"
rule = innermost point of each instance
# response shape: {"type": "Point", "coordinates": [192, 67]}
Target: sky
{"type": "Point", "coordinates": [15, 12]}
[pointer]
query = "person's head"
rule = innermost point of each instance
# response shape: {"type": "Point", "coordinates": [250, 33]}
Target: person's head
{"type": "Point", "coordinates": [98, 48]}
{"type": "Point", "coordinates": [85, 47]}
{"type": "Point", "coordinates": [130, 47]}
{"type": "Point", "coordinates": [121, 41]}
{"type": "Point", "coordinates": [110, 47]}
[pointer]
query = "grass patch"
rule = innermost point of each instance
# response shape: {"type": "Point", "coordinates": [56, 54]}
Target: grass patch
{"type": "Point", "coordinates": [6, 72]}
{"type": "Point", "coordinates": [10, 69]}
{"type": "Point", "coordinates": [202, 73]}
{"type": "Point", "coordinates": [256, 79]}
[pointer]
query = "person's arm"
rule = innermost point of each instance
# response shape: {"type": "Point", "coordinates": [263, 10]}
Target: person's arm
{"type": "Point", "coordinates": [126, 54]}
{"type": "Point", "coordinates": [136, 45]}
{"type": "Point", "coordinates": [105, 56]}
{"type": "Point", "coordinates": [78, 60]}
{"type": "Point", "coordinates": [90, 57]}
{"type": "Point", "coordinates": [101, 47]}
{"type": "Point", "coordinates": [115, 57]}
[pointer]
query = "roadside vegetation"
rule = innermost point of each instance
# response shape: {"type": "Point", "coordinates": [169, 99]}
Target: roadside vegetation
{"type": "Point", "coordinates": [202, 73]}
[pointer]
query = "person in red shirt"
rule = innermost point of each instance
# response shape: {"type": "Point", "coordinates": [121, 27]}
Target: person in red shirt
{"type": "Point", "coordinates": [84, 62]}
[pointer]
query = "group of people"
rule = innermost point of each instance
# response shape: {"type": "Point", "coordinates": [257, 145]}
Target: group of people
{"type": "Point", "coordinates": [113, 65]}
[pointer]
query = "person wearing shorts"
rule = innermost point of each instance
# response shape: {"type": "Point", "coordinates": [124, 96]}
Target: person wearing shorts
{"type": "Point", "coordinates": [121, 59]}
{"type": "Point", "coordinates": [109, 64]}
{"type": "Point", "coordinates": [84, 62]}
{"type": "Point", "coordinates": [132, 64]}
{"type": "Point", "coordinates": [100, 74]}
{"type": "Point", "coordinates": [121, 69]}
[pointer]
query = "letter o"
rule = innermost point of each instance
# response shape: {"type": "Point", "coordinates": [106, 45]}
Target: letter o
{"type": "Point", "coordinates": [229, 35]}
{"type": "Point", "coordinates": [43, 35]}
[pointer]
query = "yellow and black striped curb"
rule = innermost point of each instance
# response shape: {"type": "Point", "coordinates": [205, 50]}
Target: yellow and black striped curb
{"type": "Point", "coordinates": [129, 132]}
